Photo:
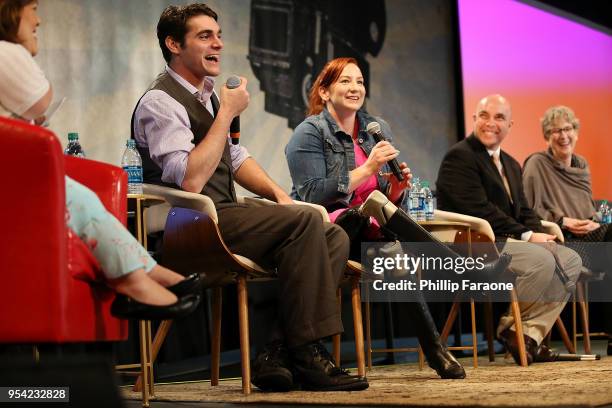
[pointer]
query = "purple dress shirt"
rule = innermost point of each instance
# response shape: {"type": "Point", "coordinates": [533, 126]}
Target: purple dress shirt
{"type": "Point", "coordinates": [161, 123]}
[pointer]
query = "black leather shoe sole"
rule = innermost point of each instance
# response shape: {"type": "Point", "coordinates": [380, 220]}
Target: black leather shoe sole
{"type": "Point", "coordinates": [126, 308]}
{"type": "Point", "coordinates": [279, 380]}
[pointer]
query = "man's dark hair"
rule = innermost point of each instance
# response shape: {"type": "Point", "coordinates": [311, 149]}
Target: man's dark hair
{"type": "Point", "coordinates": [173, 23]}
{"type": "Point", "coordinates": [10, 17]}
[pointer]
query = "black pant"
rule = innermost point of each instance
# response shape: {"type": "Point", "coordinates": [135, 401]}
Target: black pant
{"type": "Point", "coordinates": [310, 257]}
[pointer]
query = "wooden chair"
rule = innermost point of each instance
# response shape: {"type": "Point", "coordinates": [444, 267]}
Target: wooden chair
{"type": "Point", "coordinates": [193, 243]}
{"type": "Point", "coordinates": [579, 299]}
{"type": "Point", "coordinates": [479, 231]}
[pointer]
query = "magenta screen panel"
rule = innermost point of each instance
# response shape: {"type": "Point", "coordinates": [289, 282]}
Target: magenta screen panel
{"type": "Point", "coordinates": [538, 59]}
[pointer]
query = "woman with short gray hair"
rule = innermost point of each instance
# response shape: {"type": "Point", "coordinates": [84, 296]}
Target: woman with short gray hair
{"type": "Point", "coordinates": [558, 187]}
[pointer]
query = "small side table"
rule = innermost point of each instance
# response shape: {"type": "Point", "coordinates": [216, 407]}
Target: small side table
{"type": "Point", "coordinates": [137, 205]}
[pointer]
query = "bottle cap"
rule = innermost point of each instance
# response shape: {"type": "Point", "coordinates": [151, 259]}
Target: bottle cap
{"type": "Point", "coordinates": [72, 136]}
{"type": "Point", "coordinates": [130, 143]}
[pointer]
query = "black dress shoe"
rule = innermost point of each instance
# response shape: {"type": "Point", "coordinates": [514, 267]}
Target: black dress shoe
{"type": "Point", "coordinates": [493, 270]}
{"type": "Point", "coordinates": [191, 285]}
{"type": "Point", "coordinates": [315, 370]}
{"type": "Point", "coordinates": [271, 368]}
{"type": "Point", "coordinates": [445, 364]}
{"type": "Point", "coordinates": [124, 307]}
{"type": "Point", "coordinates": [545, 355]}
{"type": "Point", "coordinates": [508, 337]}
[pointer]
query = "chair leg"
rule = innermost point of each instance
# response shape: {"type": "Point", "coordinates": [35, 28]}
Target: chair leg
{"type": "Point", "coordinates": [421, 357]}
{"type": "Point", "coordinates": [488, 316]}
{"type": "Point", "coordinates": [574, 324]}
{"type": "Point", "coordinates": [564, 336]}
{"type": "Point", "coordinates": [584, 317]}
{"type": "Point", "coordinates": [474, 337]}
{"type": "Point", "coordinates": [518, 324]}
{"type": "Point", "coordinates": [145, 361]}
{"type": "Point", "coordinates": [336, 337]}
{"type": "Point", "coordinates": [160, 336]}
{"type": "Point", "coordinates": [368, 331]}
{"type": "Point", "coordinates": [450, 320]}
{"type": "Point", "coordinates": [215, 352]}
{"type": "Point", "coordinates": [243, 322]}
{"type": "Point", "coordinates": [358, 326]}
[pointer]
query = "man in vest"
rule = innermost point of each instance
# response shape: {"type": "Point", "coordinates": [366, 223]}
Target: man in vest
{"type": "Point", "coordinates": [181, 129]}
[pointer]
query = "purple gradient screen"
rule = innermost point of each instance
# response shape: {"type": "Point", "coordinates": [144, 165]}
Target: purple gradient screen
{"type": "Point", "coordinates": [537, 59]}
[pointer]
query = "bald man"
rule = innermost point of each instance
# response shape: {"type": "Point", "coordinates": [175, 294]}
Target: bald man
{"type": "Point", "coordinates": [477, 178]}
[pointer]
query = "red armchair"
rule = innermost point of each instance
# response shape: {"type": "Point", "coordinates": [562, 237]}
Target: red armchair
{"type": "Point", "coordinates": [52, 288]}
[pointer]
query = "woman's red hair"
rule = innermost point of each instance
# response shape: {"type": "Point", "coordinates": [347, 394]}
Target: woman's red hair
{"type": "Point", "coordinates": [330, 74]}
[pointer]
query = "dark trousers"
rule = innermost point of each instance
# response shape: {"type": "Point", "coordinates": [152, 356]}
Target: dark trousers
{"type": "Point", "coordinates": [309, 255]}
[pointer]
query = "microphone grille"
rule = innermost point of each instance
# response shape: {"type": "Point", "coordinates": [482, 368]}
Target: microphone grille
{"type": "Point", "coordinates": [233, 82]}
{"type": "Point", "coordinates": [372, 128]}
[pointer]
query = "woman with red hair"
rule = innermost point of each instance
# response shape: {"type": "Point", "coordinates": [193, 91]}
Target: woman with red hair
{"type": "Point", "coordinates": [334, 162]}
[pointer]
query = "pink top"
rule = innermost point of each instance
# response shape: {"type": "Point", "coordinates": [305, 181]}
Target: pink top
{"type": "Point", "coordinates": [362, 192]}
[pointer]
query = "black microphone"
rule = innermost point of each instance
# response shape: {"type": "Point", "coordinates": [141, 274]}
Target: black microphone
{"type": "Point", "coordinates": [373, 130]}
{"type": "Point", "coordinates": [233, 82]}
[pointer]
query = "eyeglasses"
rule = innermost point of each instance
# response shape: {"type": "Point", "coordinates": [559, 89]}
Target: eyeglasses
{"type": "Point", "coordinates": [557, 131]}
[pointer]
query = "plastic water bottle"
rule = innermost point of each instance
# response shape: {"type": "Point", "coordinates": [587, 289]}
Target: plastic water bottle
{"type": "Point", "coordinates": [421, 209]}
{"type": "Point", "coordinates": [601, 212]}
{"type": "Point", "coordinates": [429, 201]}
{"type": "Point", "coordinates": [413, 198]}
{"type": "Point", "coordinates": [132, 164]}
{"type": "Point", "coordinates": [74, 147]}
{"type": "Point", "coordinates": [607, 215]}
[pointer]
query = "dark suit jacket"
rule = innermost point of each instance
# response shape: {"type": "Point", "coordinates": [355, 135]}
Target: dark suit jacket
{"type": "Point", "coordinates": [469, 183]}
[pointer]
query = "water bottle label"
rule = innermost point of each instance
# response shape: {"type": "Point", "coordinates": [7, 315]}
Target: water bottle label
{"type": "Point", "coordinates": [134, 174]}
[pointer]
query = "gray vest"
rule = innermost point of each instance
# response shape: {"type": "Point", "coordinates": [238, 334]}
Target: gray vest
{"type": "Point", "coordinates": [220, 186]}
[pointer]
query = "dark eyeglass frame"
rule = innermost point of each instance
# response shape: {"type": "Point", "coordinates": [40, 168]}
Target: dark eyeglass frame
{"type": "Point", "coordinates": [557, 131]}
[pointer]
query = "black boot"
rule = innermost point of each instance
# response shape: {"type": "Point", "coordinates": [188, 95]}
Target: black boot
{"type": "Point", "coordinates": [315, 370]}
{"type": "Point", "coordinates": [437, 354]}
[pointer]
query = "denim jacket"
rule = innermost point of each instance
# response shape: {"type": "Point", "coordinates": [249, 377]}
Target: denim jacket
{"type": "Point", "coordinates": [320, 157]}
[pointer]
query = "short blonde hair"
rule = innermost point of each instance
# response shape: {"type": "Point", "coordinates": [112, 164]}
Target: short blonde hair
{"type": "Point", "coordinates": [553, 115]}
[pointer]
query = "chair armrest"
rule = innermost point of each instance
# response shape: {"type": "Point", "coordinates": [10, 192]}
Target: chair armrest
{"type": "Point", "coordinates": [107, 181]}
{"type": "Point", "coordinates": [553, 229]}
{"type": "Point", "coordinates": [476, 224]}
{"type": "Point", "coordinates": [183, 199]}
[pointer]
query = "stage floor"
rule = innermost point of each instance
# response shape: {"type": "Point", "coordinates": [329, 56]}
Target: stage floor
{"type": "Point", "coordinates": [501, 383]}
